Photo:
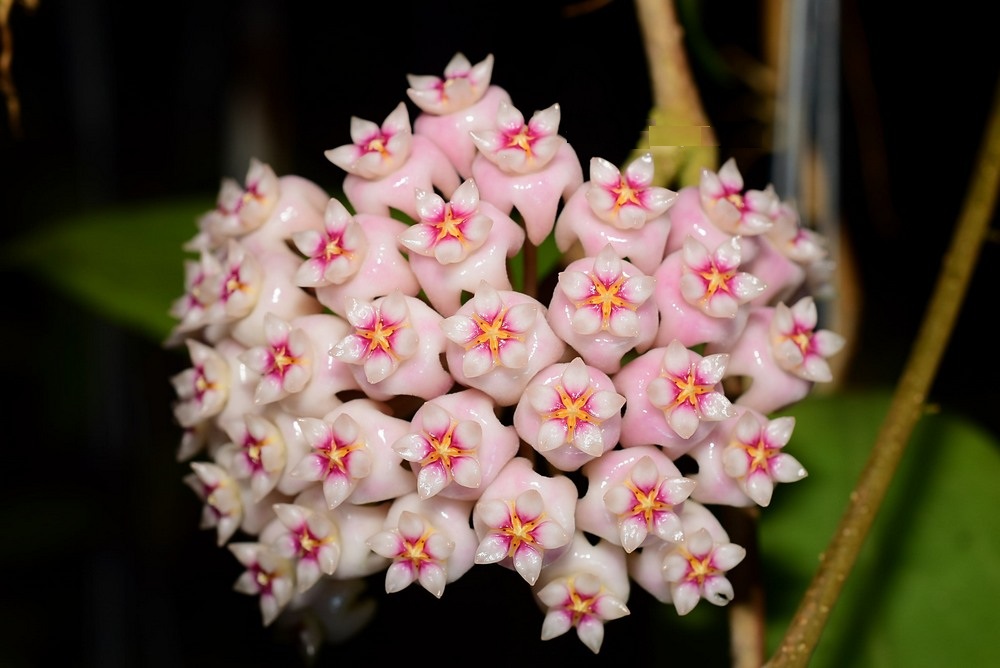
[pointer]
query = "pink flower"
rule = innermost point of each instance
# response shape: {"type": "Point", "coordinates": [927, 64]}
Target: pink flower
{"type": "Point", "coordinates": [268, 575]}
{"type": "Point", "coordinates": [376, 150]}
{"type": "Point", "coordinates": [382, 336]}
{"type": "Point", "coordinates": [730, 208]}
{"type": "Point", "coordinates": [462, 86]}
{"type": "Point", "coordinates": [309, 539]}
{"type": "Point", "coordinates": [696, 568]}
{"type": "Point", "coordinates": [448, 231]}
{"type": "Point", "coordinates": [223, 504]}
{"type": "Point", "coordinates": [284, 363]}
{"type": "Point", "coordinates": [445, 450]}
{"type": "Point", "coordinates": [688, 389]}
{"type": "Point", "coordinates": [713, 282]}
{"type": "Point", "coordinates": [627, 200]}
{"type": "Point", "coordinates": [798, 346]}
{"type": "Point", "coordinates": [754, 456]}
{"type": "Point", "coordinates": [202, 389]}
{"type": "Point", "coordinates": [517, 147]}
{"type": "Point", "coordinates": [333, 254]}
{"type": "Point", "coordinates": [257, 452]}
{"type": "Point", "coordinates": [586, 588]}
{"type": "Point", "coordinates": [570, 413]}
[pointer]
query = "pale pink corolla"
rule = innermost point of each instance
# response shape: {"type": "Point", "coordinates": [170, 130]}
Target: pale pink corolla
{"type": "Point", "coordinates": [203, 388]}
{"type": "Point", "coordinates": [445, 450]}
{"type": "Point", "coordinates": [696, 568]}
{"type": "Point", "coordinates": [339, 457]}
{"type": "Point", "coordinates": [626, 200]}
{"type": "Point", "coordinates": [688, 389]}
{"type": "Point", "coordinates": [754, 456]}
{"type": "Point", "coordinates": [572, 410]}
{"type": "Point", "coordinates": [586, 588]}
{"type": "Point", "coordinates": [309, 539]}
{"type": "Point", "coordinates": [795, 241]}
{"type": "Point", "coordinates": [382, 337]}
{"type": "Point", "coordinates": [518, 529]}
{"type": "Point", "coordinates": [797, 345]}
{"type": "Point", "coordinates": [419, 553]}
{"type": "Point", "coordinates": [462, 86]}
{"type": "Point", "coordinates": [257, 453]}
{"type": "Point", "coordinates": [191, 308]}
{"type": "Point", "coordinates": [237, 278]}
{"type": "Point", "coordinates": [376, 150]}
{"type": "Point", "coordinates": [448, 231]}
{"type": "Point", "coordinates": [732, 209]}
{"type": "Point", "coordinates": [260, 195]}
{"type": "Point", "coordinates": [220, 494]}
{"type": "Point", "coordinates": [606, 298]}
{"type": "Point", "coordinates": [645, 503]}
{"type": "Point", "coordinates": [517, 147]}
{"type": "Point", "coordinates": [492, 334]}
{"type": "Point", "coordinates": [221, 222]}
{"type": "Point", "coordinates": [713, 281]}
{"type": "Point", "coordinates": [284, 363]}
{"type": "Point", "coordinates": [334, 254]}
{"type": "Point", "coordinates": [268, 575]}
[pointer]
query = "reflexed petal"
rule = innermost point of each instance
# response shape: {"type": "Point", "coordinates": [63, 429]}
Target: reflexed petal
{"type": "Point", "coordinates": [412, 447]}
{"type": "Point", "coordinates": [714, 406]}
{"type": "Point", "coordinates": [712, 368]}
{"type": "Point", "coordinates": [514, 354]}
{"type": "Point", "coordinates": [787, 468]}
{"type": "Point", "coordinates": [587, 320]}
{"type": "Point", "coordinates": [493, 513]}
{"type": "Point", "coordinates": [759, 487]}
{"type": "Point", "coordinates": [551, 435]}
{"type": "Point", "coordinates": [589, 439]}
{"type": "Point", "coordinates": [492, 549]}
{"type": "Point", "coordinates": [605, 404]}
{"type": "Point", "coordinates": [557, 622]}
{"type": "Point", "coordinates": [386, 543]}
{"type": "Point", "coordinates": [431, 480]}
{"type": "Point", "coordinates": [398, 577]}
{"type": "Point", "coordinates": [727, 556]}
{"type": "Point", "coordinates": [683, 420]}
{"type": "Point", "coordinates": [528, 563]}
{"type": "Point", "coordinates": [590, 631]}
{"type": "Point", "coordinates": [433, 578]}
{"type": "Point", "coordinates": [467, 472]}
{"type": "Point", "coordinates": [718, 590]}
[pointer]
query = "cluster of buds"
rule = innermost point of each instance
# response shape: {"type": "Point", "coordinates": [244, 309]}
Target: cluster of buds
{"type": "Point", "coordinates": [369, 392]}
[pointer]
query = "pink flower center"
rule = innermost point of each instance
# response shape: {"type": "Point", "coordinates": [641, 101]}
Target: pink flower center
{"type": "Point", "coordinates": [607, 298]}
{"type": "Point", "coordinates": [443, 448]}
{"type": "Point", "coordinates": [689, 390]}
{"type": "Point", "coordinates": [520, 531]}
{"type": "Point", "coordinates": [625, 194]}
{"type": "Point", "coordinates": [759, 454]}
{"type": "Point", "coordinates": [647, 504]}
{"type": "Point", "coordinates": [492, 333]}
{"type": "Point", "coordinates": [716, 280]}
{"type": "Point", "coordinates": [379, 336]}
{"type": "Point", "coordinates": [700, 568]}
{"type": "Point", "coordinates": [573, 410]}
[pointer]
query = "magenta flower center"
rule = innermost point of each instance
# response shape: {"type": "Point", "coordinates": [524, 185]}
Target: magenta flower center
{"type": "Point", "coordinates": [759, 454]}
{"type": "Point", "coordinates": [379, 336]}
{"type": "Point", "coordinates": [492, 333]}
{"type": "Point", "coordinates": [700, 568]}
{"type": "Point", "coordinates": [716, 280]}
{"type": "Point", "coordinates": [647, 504]}
{"type": "Point", "coordinates": [524, 139]}
{"type": "Point", "coordinates": [414, 550]}
{"type": "Point", "coordinates": [443, 448]}
{"type": "Point", "coordinates": [336, 455]}
{"type": "Point", "coordinates": [573, 410]}
{"type": "Point", "coordinates": [625, 194]}
{"type": "Point", "coordinates": [607, 298]}
{"type": "Point", "coordinates": [688, 390]}
{"type": "Point", "coordinates": [520, 531]}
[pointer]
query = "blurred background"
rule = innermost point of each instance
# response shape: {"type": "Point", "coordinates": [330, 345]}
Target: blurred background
{"type": "Point", "coordinates": [128, 106]}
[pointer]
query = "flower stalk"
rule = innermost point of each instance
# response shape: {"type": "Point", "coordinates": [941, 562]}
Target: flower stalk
{"type": "Point", "coordinates": [908, 404]}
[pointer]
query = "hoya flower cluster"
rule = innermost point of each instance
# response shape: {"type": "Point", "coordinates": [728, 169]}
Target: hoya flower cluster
{"type": "Point", "coordinates": [369, 392]}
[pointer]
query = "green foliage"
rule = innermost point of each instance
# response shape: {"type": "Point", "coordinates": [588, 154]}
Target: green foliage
{"type": "Point", "coordinates": [125, 263]}
{"type": "Point", "coordinates": [926, 581]}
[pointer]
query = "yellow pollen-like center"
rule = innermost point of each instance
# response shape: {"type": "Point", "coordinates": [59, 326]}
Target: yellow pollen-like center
{"type": "Point", "coordinates": [336, 457]}
{"type": "Point", "coordinates": [443, 448]}
{"type": "Point", "coordinates": [608, 298]}
{"type": "Point", "coordinates": [522, 141]}
{"type": "Point", "coordinates": [701, 569]}
{"type": "Point", "coordinates": [492, 332]}
{"type": "Point", "coordinates": [646, 503]}
{"type": "Point", "coordinates": [379, 337]}
{"type": "Point", "coordinates": [263, 579]}
{"type": "Point", "coordinates": [737, 200]}
{"type": "Point", "coordinates": [449, 227]}
{"type": "Point", "coordinates": [283, 359]}
{"type": "Point", "coordinates": [520, 531]}
{"type": "Point", "coordinates": [309, 543]}
{"type": "Point", "coordinates": [377, 145]}
{"type": "Point", "coordinates": [625, 194]}
{"type": "Point", "coordinates": [333, 249]}
{"type": "Point", "coordinates": [801, 339]}
{"type": "Point", "coordinates": [414, 552]}
{"type": "Point", "coordinates": [689, 390]}
{"type": "Point", "coordinates": [580, 606]}
{"type": "Point", "coordinates": [717, 280]}
{"type": "Point", "coordinates": [759, 454]}
{"type": "Point", "coordinates": [573, 411]}
{"type": "Point", "coordinates": [254, 448]}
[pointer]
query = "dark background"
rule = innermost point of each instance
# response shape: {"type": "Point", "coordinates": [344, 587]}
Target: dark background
{"type": "Point", "coordinates": [126, 102]}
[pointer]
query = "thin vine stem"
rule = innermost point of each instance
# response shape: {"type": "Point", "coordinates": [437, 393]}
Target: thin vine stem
{"type": "Point", "coordinates": [907, 405]}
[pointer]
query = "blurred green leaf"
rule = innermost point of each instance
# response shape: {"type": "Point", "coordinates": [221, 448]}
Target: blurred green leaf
{"type": "Point", "coordinates": [126, 263]}
{"type": "Point", "coordinates": [926, 582]}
